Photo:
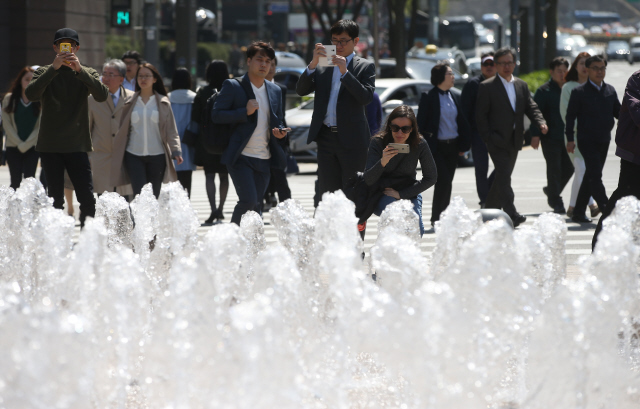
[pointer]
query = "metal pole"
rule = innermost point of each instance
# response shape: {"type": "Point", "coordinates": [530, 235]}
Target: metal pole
{"type": "Point", "coordinates": [151, 52]}
{"type": "Point", "coordinates": [261, 20]}
{"type": "Point", "coordinates": [434, 21]}
{"type": "Point", "coordinates": [186, 35]}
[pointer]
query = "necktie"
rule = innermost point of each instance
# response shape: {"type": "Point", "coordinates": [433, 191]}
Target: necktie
{"type": "Point", "coordinates": [113, 99]}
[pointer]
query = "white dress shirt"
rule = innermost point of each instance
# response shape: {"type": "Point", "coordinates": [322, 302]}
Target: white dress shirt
{"type": "Point", "coordinates": [258, 145]}
{"type": "Point", "coordinates": [331, 118]}
{"type": "Point", "coordinates": [130, 85]}
{"type": "Point", "coordinates": [144, 135]}
{"type": "Point", "coordinates": [511, 90]}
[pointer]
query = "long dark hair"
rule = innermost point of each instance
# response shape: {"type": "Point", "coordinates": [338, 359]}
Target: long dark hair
{"type": "Point", "coordinates": [217, 73]}
{"type": "Point", "coordinates": [403, 111]}
{"type": "Point", "coordinates": [16, 93]}
{"type": "Point", "coordinates": [572, 74]}
{"type": "Point", "coordinates": [158, 86]}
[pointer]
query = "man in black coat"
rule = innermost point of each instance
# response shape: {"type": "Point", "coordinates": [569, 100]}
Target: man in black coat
{"type": "Point", "coordinates": [447, 132]}
{"type": "Point", "coordinates": [502, 104]}
{"type": "Point", "coordinates": [594, 105]}
{"type": "Point", "coordinates": [479, 151]}
{"type": "Point", "coordinates": [339, 124]}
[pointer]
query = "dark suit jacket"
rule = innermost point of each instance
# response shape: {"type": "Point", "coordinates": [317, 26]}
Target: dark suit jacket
{"type": "Point", "coordinates": [356, 92]}
{"type": "Point", "coordinates": [469, 98]}
{"type": "Point", "coordinates": [495, 117]}
{"type": "Point", "coordinates": [429, 121]}
{"type": "Point", "coordinates": [231, 108]}
{"type": "Point", "coordinates": [595, 111]}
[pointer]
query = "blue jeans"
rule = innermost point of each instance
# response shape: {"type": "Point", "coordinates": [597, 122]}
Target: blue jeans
{"type": "Point", "coordinates": [250, 177]}
{"type": "Point", "coordinates": [417, 207]}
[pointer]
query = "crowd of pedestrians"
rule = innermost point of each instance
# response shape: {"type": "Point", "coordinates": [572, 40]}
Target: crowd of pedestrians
{"type": "Point", "coordinates": [118, 131]}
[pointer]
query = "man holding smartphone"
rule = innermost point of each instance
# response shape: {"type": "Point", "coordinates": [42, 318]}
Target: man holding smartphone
{"type": "Point", "coordinates": [339, 123]}
{"type": "Point", "coordinates": [64, 139]}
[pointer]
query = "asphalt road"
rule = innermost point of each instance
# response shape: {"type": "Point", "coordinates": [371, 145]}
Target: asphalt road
{"type": "Point", "coordinates": [528, 180]}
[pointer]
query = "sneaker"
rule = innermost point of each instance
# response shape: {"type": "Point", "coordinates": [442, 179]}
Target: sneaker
{"type": "Point", "coordinates": [595, 210]}
{"type": "Point", "coordinates": [518, 219]}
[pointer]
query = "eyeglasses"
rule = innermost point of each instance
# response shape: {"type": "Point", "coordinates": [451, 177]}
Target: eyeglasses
{"type": "Point", "coordinates": [130, 63]}
{"type": "Point", "coordinates": [341, 42]}
{"type": "Point", "coordinates": [506, 64]}
{"type": "Point", "coordinates": [109, 75]}
{"type": "Point", "coordinates": [450, 73]}
{"type": "Point", "coordinates": [145, 77]}
{"type": "Point", "coordinates": [404, 129]}
{"type": "Point", "coordinates": [488, 64]}
{"type": "Point", "coordinates": [598, 69]}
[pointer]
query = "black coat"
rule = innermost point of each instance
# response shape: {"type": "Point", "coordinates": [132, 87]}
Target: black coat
{"type": "Point", "coordinates": [595, 111]}
{"type": "Point", "coordinates": [429, 121]}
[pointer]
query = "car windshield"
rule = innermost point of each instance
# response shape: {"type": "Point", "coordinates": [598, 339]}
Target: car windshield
{"type": "Point", "coordinates": [614, 45]}
{"type": "Point", "coordinates": [290, 60]}
{"type": "Point", "coordinates": [420, 69]}
{"type": "Point", "coordinates": [380, 90]}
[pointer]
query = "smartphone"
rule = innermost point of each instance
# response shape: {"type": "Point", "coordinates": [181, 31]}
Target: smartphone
{"type": "Point", "coordinates": [65, 47]}
{"type": "Point", "coordinates": [400, 147]}
{"type": "Point", "coordinates": [326, 61]}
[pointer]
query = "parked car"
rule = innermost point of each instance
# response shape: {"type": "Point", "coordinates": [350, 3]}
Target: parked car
{"type": "Point", "coordinates": [474, 66]}
{"type": "Point", "coordinates": [393, 92]}
{"type": "Point", "coordinates": [619, 50]}
{"type": "Point", "coordinates": [417, 68]}
{"type": "Point", "coordinates": [634, 44]}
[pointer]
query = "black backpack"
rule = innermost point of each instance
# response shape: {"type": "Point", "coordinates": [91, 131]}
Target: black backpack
{"type": "Point", "coordinates": [215, 137]}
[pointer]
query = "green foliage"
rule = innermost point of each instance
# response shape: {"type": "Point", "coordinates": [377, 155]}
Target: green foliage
{"type": "Point", "coordinates": [116, 45]}
{"type": "Point", "coordinates": [535, 79]}
{"type": "Point", "coordinates": [213, 51]}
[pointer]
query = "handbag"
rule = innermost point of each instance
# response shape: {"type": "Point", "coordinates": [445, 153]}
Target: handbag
{"type": "Point", "coordinates": [189, 137]}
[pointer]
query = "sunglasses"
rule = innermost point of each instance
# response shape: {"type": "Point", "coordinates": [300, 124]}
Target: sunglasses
{"type": "Point", "coordinates": [404, 129]}
{"type": "Point", "coordinates": [488, 63]}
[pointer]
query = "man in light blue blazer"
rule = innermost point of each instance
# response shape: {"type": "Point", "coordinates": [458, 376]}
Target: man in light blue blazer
{"type": "Point", "coordinates": [255, 107]}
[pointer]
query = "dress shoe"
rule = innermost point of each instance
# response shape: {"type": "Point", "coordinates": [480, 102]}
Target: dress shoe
{"type": "Point", "coordinates": [518, 219]}
{"type": "Point", "coordinates": [570, 211]}
{"type": "Point", "coordinates": [559, 208]}
{"type": "Point", "coordinates": [580, 219]}
{"type": "Point", "coordinates": [595, 210]}
{"type": "Point", "coordinates": [218, 215]}
{"type": "Point", "coordinates": [209, 221]}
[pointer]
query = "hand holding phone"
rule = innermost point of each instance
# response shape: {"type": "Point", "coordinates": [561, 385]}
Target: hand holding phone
{"type": "Point", "coordinates": [400, 147]}
{"type": "Point", "coordinates": [326, 60]}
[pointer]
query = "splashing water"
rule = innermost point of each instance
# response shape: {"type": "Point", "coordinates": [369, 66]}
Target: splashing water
{"type": "Point", "coordinates": [155, 317]}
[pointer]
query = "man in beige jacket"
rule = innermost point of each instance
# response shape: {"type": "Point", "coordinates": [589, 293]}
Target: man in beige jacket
{"type": "Point", "coordinates": [104, 122]}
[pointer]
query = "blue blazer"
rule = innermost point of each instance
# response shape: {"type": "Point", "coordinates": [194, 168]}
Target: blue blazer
{"type": "Point", "coordinates": [231, 108]}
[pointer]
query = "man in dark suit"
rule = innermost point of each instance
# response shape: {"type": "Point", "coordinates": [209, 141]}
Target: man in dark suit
{"type": "Point", "coordinates": [255, 107]}
{"type": "Point", "coordinates": [478, 148]}
{"type": "Point", "coordinates": [339, 124]}
{"type": "Point", "coordinates": [278, 182]}
{"type": "Point", "coordinates": [502, 103]}
{"type": "Point", "coordinates": [594, 105]}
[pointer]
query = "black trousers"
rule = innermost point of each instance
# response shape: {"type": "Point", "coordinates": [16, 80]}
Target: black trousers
{"type": "Point", "coordinates": [481, 165]}
{"type": "Point", "coordinates": [79, 170]}
{"type": "Point", "coordinates": [446, 163]}
{"type": "Point", "coordinates": [278, 184]}
{"type": "Point", "coordinates": [559, 168]}
{"type": "Point", "coordinates": [21, 165]}
{"type": "Point", "coordinates": [184, 177]}
{"type": "Point", "coordinates": [595, 155]}
{"type": "Point", "coordinates": [336, 164]}
{"type": "Point", "coordinates": [628, 185]}
{"type": "Point", "coordinates": [250, 177]}
{"type": "Point", "coordinates": [145, 169]}
{"type": "Point", "coordinates": [501, 194]}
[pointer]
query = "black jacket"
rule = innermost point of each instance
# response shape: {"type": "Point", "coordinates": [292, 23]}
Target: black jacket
{"type": "Point", "coordinates": [468, 100]}
{"type": "Point", "coordinates": [356, 92]}
{"type": "Point", "coordinates": [594, 111]}
{"type": "Point", "coordinates": [548, 99]}
{"type": "Point", "coordinates": [429, 121]}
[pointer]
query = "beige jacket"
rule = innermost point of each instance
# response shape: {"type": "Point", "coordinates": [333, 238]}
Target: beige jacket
{"type": "Point", "coordinates": [168, 132]}
{"type": "Point", "coordinates": [104, 123]}
{"type": "Point", "coordinates": [9, 124]}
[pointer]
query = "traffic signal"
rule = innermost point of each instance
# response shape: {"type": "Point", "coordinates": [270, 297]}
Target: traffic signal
{"type": "Point", "coordinates": [120, 13]}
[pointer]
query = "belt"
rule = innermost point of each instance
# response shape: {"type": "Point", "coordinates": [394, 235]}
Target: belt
{"type": "Point", "coordinates": [331, 128]}
{"type": "Point", "coordinates": [448, 141]}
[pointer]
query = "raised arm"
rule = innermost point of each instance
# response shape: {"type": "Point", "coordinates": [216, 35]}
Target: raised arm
{"type": "Point", "coordinates": [362, 87]}
{"type": "Point", "coordinates": [41, 79]}
{"type": "Point", "coordinates": [91, 80]}
{"type": "Point", "coordinates": [306, 83]}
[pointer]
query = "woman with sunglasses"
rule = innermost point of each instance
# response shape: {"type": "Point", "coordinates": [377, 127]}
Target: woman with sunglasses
{"type": "Point", "coordinates": [394, 173]}
{"type": "Point", "coordinates": [148, 137]}
{"type": "Point", "coordinates": [447, 131]}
